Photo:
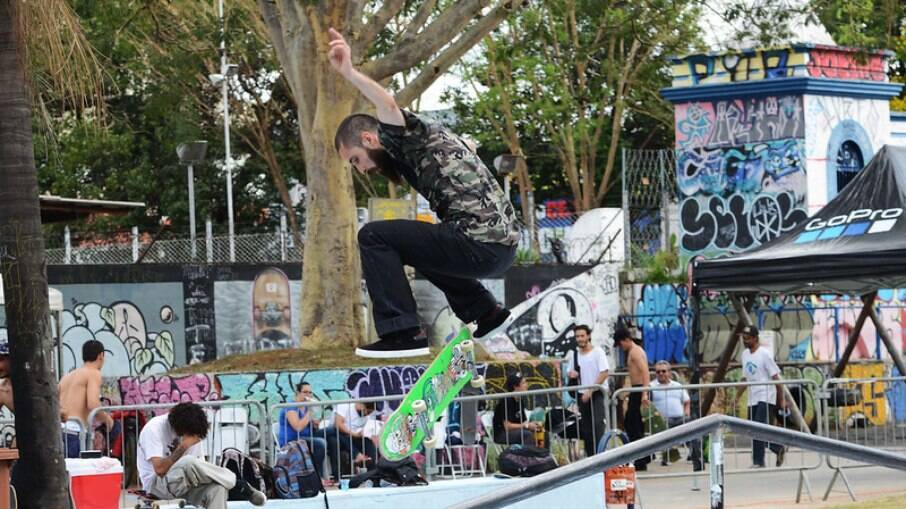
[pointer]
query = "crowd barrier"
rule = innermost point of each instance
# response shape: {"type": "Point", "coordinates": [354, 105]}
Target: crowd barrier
{"type": "Point", "coordinates": [868, 411]}
{"type": "Point", "coordinates": [738, 449]}
{"type": "Point", "coordinates": [864, 411]}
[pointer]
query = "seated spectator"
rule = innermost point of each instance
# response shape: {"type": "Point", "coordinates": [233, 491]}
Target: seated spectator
{"type": "Point", "coordinates": [171, 463]}
{"type": "Point", "coordinates": [674, 407]}
{"type": "Point", "coordinates": [510, 424]}
{"type": "Point", "coordinates": [351, 420]}
{"type": "Point", "coordinates": [299, 424]}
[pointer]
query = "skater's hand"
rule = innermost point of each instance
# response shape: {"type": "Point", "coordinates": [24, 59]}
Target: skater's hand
{"type": "Point", "coordinates": [645, 401]}
{"type": "Point", "coordinates": [339, 54]}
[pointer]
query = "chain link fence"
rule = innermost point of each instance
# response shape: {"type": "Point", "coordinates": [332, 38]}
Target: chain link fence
{"type": "Point", "coordinates": [136, 247]}
{"type": "Point", "coordinates": [650, 211]}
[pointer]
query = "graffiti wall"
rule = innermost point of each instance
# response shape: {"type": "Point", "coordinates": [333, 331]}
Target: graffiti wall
{"type": "Point", "coordinates": [272, 388]}
{"type": "Point", "coordinates": [735, 122]}
{"type": "Point", "coordinates": [805, 328]}
{"type": "Point", "coordinates": [736, 198]}
{"type": "Point", "coordinates": [140, 326]}
{"type": "Point", "coordinates": [796, 61]}
{"type": "Point", "coordinates": [542, 326]}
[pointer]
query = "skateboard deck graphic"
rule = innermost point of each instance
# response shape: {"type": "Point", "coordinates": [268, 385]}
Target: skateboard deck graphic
{"type": "Point", "coordinates": [413, 422]}
{"type": "Point", "coordinates": [271, 310]}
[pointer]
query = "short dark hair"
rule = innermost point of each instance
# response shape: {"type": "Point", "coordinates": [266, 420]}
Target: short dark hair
{"type": "Point", "coordinates": [620, 334]}
{"type": "Point", "coordinates": [349, 134]}
{"type": "Point", "coordinates": [300, 385]}
{"type": "Point", "coordinates": [91, 350]}
{"type": "Point", "coordinates": [187, 418]}
{"type": "Point", "coordinates": [586, 328]}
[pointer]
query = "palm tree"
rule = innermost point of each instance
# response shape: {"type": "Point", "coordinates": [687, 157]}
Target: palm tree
{"type": "Point", "coordinates": [44, 34]}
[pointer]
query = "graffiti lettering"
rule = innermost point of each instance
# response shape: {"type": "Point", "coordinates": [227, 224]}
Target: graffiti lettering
{"type": "Point", "coordinates": [739, 121]}
{"type": "Point", "coordinates": [831, 63]}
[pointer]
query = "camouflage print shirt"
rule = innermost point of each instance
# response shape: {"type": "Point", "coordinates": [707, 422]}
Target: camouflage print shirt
{"type": "Point", "coordinates": [458, 186]}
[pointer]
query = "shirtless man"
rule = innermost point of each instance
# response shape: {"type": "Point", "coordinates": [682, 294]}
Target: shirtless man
{"type": "Point", "coordinates": [80, 393]}
{"type": "Point", "coordinates": [637, 364]}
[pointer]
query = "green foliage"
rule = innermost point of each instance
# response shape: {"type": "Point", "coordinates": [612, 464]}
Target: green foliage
{"type": "Point", "coordinates": [157, 56]}
{"type": "Point", "coordinates": [527, 257]}
{"type": "Point", "coordinates": [662, 266]}
{"type": "Point", "coordinates": [557, 67]}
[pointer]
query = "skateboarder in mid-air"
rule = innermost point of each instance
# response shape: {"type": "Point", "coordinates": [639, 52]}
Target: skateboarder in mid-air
{"type": "Point", "coordinates": [477, 235]}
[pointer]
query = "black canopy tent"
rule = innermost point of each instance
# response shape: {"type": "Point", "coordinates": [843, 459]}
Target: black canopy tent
{"type": "Point", "coordinates": [856, 244]}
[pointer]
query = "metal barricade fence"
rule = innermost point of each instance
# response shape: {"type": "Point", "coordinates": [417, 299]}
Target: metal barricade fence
{"type": "Point", "coordinates": [864, 411]}
{"type": "Point", "coordinates": [738, 450]}
{"type": "Point", "coordinates": [867, 411]}
{"type": "Point", "coordinates": [229, 427]}
{"type": "Point", "coordinates": [558, 428]}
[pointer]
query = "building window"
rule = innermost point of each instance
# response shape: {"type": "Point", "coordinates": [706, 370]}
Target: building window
{"type": "Point", "coordinates": [849, 162]}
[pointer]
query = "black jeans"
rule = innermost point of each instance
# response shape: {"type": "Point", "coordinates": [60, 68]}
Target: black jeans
{"type": "Point", "coordinates": [632, 421]}
{"type": "Point", "coordinates": [591, 425]}
{"type": "Point", "coordinates": [762, 412]}
{"type": "Point", "coordinates": [446, 257]}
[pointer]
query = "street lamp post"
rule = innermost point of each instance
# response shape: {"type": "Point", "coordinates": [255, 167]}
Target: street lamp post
{"type": "Point", "coordinates": [190, 154]}
{"type": "Point", "coordinates": [226, 70]}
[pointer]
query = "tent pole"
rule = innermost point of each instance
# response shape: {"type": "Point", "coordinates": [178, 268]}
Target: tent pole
{"type": "Point", "coordinates": [868, 301]}
{"type": "Point", "coordinates": [743, 308]}
{"type": "Point", "coordinates": [885, 337]}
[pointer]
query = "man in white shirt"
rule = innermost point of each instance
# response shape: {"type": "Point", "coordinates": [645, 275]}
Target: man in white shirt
{"type": "Point", "coordinates": [758, 366]}
{"type": "Point", "coordinates": [674, 406]}
{"type": "Point", "coordinates": [589, 365]}
{"type": "Point", "coordinates": [350, 422]}
{"type": "Point", "coordinates": [170, 461]}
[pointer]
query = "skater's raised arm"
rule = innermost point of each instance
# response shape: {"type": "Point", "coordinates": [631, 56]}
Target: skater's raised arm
{"type": "Point", "coordinates": [340, 56]}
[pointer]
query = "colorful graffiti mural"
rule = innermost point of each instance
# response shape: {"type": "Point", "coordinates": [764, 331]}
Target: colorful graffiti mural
{"type": "Point", "coordinates": [795, 61]}
{"type": "Point", "coordinates": [733, 199]}
{"type": "Point", "coordinates": [739, 121]}
{"type": "Point", "coordinates": [271, 388]}
{"type": "Point", "coordinates": [141, 333]}
{"type": "Point", "coordinates": [542, 323]}
{"type": "Point", "coordinates": [660, 314]}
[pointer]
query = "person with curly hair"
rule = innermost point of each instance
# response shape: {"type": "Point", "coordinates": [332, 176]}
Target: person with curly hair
{"type": "Point", "coordinates": [171, 461]}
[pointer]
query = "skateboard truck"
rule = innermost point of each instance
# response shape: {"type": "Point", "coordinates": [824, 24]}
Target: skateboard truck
{"type": "Point", "coordinates": [468, 347]}
{"type": "Point", "coordinates": [421, 414]}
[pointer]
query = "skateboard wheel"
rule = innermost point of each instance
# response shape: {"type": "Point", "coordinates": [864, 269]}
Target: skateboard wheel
{"type": "Point", "coordinates": [467, 346]}
{"type": "Point", "coordinates": [430, 443]}
{"type": "Point", "coordinates": [419, 406]}
{"type": "Point", "coordinates": [477, 382]}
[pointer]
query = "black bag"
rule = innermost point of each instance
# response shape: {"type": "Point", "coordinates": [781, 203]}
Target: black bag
{"type": "Point", "coordinates": [525, 461]}
{"type": "Point", "coordinates": [402, 472]}
{"type": "Point", "coordinates": [248, 469]}
{"type": "Point", "coordinates": [572, 382]}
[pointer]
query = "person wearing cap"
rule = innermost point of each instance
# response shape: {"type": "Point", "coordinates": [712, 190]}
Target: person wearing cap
{"type": "Point", "coordinates": [758, 366]}
{"type": "Point", "coordinates": [637, 365]}
{"type": "Point", "coordinates": [510, 424]}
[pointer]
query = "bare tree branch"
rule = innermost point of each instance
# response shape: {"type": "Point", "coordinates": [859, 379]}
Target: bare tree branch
{"type": "Point", "coordinates": [444, 29]}
{"type": "Point", "coordinates": [378, 21]}
{"type": "Point", "coordinates": [452, 53]}
{"type": "Point", "coordinates": [419, 20]}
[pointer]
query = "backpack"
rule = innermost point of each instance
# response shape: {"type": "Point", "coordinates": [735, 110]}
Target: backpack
{"type": "Point", "coordinates": [402, 472]}
{"type": "Point", "coordinates": [525, 461]}
{"type": "Point", "coordinates": [248, 469]}
{"type": "Point", "coordinates": [295, 474]}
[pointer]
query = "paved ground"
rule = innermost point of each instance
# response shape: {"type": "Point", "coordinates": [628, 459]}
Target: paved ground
{"type": "Point", "coordinates": [772, 490]}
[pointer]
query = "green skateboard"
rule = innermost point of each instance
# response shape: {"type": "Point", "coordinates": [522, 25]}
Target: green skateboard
{"type": "Point", "coordinates": [412, 424]}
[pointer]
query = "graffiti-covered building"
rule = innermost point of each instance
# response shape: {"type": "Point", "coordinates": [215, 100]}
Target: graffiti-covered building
{"type": "Point", "coordinates": [764, 138]}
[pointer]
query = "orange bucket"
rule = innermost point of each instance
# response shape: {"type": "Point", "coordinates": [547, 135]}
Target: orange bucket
{"type": "Point", "coordinates": [619, 485]}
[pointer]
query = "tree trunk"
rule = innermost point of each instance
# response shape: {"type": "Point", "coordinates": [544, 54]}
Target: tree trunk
{"type": "Point", "coordinates": [42, 472]}
{"type": "Point", "coordinates": [331, 269]}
